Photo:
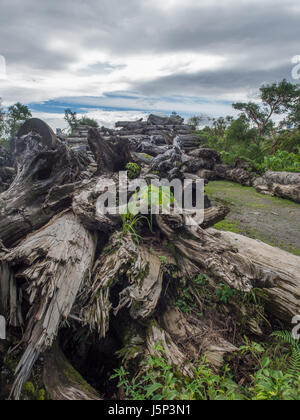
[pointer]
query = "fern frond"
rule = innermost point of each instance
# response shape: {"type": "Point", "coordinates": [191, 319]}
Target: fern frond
{"type": "Point", "coordinates": [294, 363]}
{"type": "Point", "coordinates": [285, 337]}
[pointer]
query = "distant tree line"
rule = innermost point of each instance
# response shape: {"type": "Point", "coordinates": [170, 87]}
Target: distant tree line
{"type": "Point", "coordinates": [254, 135]}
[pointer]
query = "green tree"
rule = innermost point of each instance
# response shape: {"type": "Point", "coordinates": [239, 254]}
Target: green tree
{"type": "Point", "coordinates": [71, 119]}
{"type": "Point", "coordinates": [219, 125]}
{"type": "Point", "coordinates": [198, 120]}
{"type": "Point", "coordinates": [276, 99]}
{"type": "Point", "coordinates": [16, 116]}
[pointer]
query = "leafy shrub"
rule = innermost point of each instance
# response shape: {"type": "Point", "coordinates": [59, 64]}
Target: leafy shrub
{"type": "Point", "coordinates": [133, 170]}
{"type": "Point", "coordinates": [282, 161]}
{"type": "Point", "coordinates": [162, 381]}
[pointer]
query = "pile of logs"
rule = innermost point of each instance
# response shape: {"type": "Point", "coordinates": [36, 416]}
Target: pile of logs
{"type": "Point", "coordinates": [60, 260]}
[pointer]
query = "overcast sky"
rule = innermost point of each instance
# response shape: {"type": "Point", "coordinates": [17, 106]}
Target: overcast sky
{"type": "Point", "coordinates": [117, 59]}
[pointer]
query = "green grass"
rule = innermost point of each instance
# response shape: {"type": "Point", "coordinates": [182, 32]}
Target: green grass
{"type": "Point", "coordinates": [245, 195]}
{"type": "Point", "coordinates": [244, 201]}
{"type": "Point", "coordinates": [229, 226]}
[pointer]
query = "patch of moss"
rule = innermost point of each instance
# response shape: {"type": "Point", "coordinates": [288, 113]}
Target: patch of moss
{"type": "Point", "coordinates": [11, 364]}
{"type": "Point", "coordinates": [146, 156]}
{"type": "Point", "coordinates": [29, 390]}
{"type": "Point", "coordinates": [41, 395]}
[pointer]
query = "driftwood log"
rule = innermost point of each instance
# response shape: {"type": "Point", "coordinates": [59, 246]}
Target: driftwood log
{"type": "Point", "coordinates": [61, 260]}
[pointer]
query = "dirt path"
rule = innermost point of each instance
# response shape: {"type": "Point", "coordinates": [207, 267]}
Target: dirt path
{"type": "Point", "coordinates": [269, 219]}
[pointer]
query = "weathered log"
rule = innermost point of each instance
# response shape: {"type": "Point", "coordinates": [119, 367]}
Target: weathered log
{"type": "Point", "coordinates": [280, 184]}
{"type": "Point", "coordinates": [196, 338]}
{"type": "Point", "coordinates": [84, 205]}
{"type": "Point", "coordinates": [214, 215]}
{"type": "Point", "coordinates": [283, 299]}
{"type": "Point", "coordinates": [141, 291]}
{"type": "Point", "coordinates": [222, 261]}
{"type": "Point", "coordinates": [42, 188]}
{"type": "Point", "coordinates": [112, 155]}
{"type": "Point", "coordinates": [239, 175]}
{"type": "Point", "coordinates": [35, 125]}
{"type": "Point", "coordinates": [62, 381]}
{"type": "Point", "coordinates": [55, 262]}
{"type": "Point", "coordinates": [164, 120]}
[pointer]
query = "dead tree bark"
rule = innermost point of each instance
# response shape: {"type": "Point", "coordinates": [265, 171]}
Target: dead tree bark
{"type": "Point", "coordinates": [42, 187]}
{"type": "Point", "coordinates": [55, 262]}
{"type": "Point", "coordinates": [62, 381]}
{"type": "Point", "coordinates": [283, 299]}
{"type": "Point", "coordinates": [213, 215]}
{"type": "Point", "coordinates": [112, 155]}
{"type": "Point", "coordinates": [280, 184]}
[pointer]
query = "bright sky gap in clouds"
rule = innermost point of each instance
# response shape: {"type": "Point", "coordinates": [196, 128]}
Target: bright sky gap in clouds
{"type": "Point", "coordinates": [116, 59]}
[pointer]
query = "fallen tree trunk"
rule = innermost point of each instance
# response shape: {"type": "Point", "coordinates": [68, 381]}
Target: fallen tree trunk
{"type": "Point", "coordinates": [283, 299]}
{"type": "Point", "coordinates": [221, 260]}
{"type": "Point", "coordinates": [41, 189]}
{"type": "Point", "coordinates": [55, 262]}
{"type": "Point", "coordinates": [280, 184]}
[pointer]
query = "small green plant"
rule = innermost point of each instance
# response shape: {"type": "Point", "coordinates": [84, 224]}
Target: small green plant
{"type": "Point", "coordinates": [133, 170]}
{"type": "Point", "coordinates": [200, 280]}
{"type": "Point", "coordinates": [254, 349]}
{"type": "Point", "coordinates": [224, 293]}
{"type": "Point", "coordinates": [129, 224]}
{"type": "Point", "coordinates": [163, 259]}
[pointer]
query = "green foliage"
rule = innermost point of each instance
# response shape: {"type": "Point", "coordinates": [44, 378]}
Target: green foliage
{"type": "Point", "coordinates": [133, 170]}
{"type": "Point", "coordinates": [285, 337]}
{"type": "Point", "coordinates": [32, 393]}
{"type": "Point", "coordinates": [16, 116]}
{"type": "Point", "coordinates": [224, 293]}
{"type": "Point", "coordinates": [271, 384]}
{"type": "Point", "coordinates": [254, 137]}
{"type": "Point", "coordinates": [29, 389]}
{"type": "Point", "coordinates": [11, 120]}
{"type": "Point", "coordinates": [71, 119]}
{"type": "Point", "coordinates": [90, 122]}
{"type": "Point", "coordinates": [146, 200]}
{"type": "Point", "coordinates": [130, 223]}
{"type": "Point", "coordinates": [276, 99]}
{"type": "Point", "coordinates": [162, 381]}
{"type": "Point", "coordinates": [151, 198]}
{"type": "Point", "coordinates": [191, 294]}
{"type": "Point", "coordinates": [283, 161]}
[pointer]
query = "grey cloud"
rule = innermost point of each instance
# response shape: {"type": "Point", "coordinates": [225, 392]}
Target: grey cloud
{"type": "Point", "coordinates": [257, 38]}
{"type": "Point", "coordinates": [214, 83]}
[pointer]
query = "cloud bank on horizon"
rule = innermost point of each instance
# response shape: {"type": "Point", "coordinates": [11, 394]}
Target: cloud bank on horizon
{"type": "Point", "coordinates": [115, 59]}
